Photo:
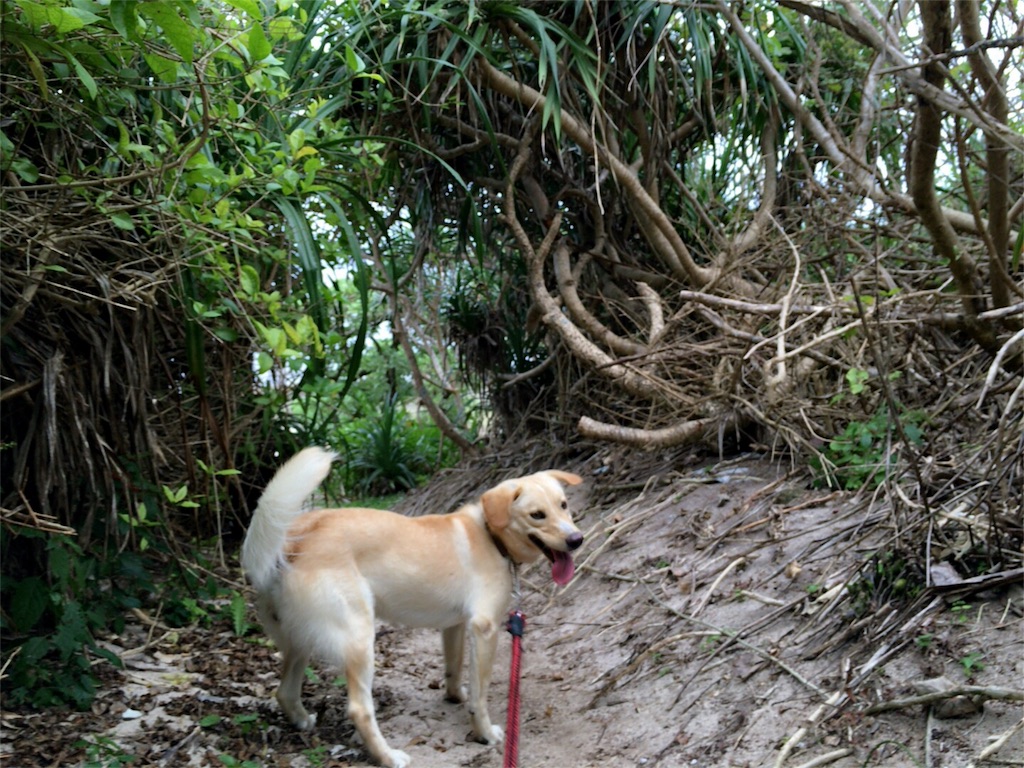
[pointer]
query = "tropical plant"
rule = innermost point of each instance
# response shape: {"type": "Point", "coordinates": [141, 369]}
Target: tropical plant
{"type": "Point", "coordinates": [178, 179]}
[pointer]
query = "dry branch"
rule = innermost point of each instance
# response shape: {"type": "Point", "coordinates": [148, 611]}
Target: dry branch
{"type": "Point", "coordinates": [984, 693]}
{"type": "Point", "coordinates": [667, 437]}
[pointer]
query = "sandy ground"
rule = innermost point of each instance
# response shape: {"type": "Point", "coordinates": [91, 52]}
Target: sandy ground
{"type": "Point", "coordinates": [708, 625]}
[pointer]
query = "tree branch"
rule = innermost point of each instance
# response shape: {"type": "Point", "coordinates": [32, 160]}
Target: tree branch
{"type": "Point", "coordinates": [996, 150]}
{"type": "Point", "coordinates": [923, 154]}
{"type": "Point", "coordinates": [678, 434]}
{"type": "Point", "coordinates": [657, 227]}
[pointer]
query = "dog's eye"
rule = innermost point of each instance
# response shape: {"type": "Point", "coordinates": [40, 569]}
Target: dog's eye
{"type": "Point", "coordinates": [565, 504]}
{"type": "Point", "coordinates": [538, 515]}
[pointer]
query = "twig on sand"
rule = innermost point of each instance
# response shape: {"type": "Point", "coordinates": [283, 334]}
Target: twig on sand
{"type": "Point", "coordinates": [984, 692]}
{"type": "Point", "coordinates": [995, 746]}
{"type": "Point", "coordinates": [814, 717]}
{"type": "Point", "coordinates": [828, 757]}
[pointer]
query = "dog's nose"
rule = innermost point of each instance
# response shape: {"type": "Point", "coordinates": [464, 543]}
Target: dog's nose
{"type": "Point", "coordinates": [574, 541]}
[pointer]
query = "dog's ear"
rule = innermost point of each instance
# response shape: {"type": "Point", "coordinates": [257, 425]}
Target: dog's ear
{"type": "Point", "coordinates": [497, 504]}
{"type": "Point", "coordinates": [566, 477]}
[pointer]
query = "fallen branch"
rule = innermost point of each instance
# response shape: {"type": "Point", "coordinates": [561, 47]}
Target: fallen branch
{"type": "Point", "coordinates": [762, 309]}
{"type": "Point", "coordinates": [828, 757]}
{"type": "Point", "coordinates": [991, 693]}
{"type": "Point", "coordinates": [995, 746]}
{"type": "Point", "coordinates": [686, 432]}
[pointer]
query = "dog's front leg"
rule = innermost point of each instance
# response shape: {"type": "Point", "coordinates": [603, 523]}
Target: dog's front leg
{"type": "Point", "coordinates": [483, 641]}
{"type": "Point", "coordinates": [454, 641]}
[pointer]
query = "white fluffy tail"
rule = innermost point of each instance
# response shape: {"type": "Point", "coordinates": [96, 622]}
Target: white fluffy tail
{"type": "Point", "coordinates": [282, 501]}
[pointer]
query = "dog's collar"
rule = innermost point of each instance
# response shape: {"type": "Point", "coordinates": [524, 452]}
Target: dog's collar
{"type": "Point", "coordinates": [499, 545]}
{"type": "Point", "coordinates": [513, 566]}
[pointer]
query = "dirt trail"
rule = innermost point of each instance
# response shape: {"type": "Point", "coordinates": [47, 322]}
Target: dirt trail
{"type": "Point", "coordinates": [707, 625]}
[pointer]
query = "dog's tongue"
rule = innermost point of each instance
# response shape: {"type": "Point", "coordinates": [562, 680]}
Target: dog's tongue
{"type": "Point", "coordinates": [562, 568]}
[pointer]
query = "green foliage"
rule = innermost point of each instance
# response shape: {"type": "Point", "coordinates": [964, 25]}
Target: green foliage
{"type": "Point", "coordinates": [861, 455]}
{"type": "Point", "coordinates": [51, 622]}
{"type": "Point", "coordinates": [864, 454]}
{"type": "Point", "coordinates": [234, 762]}
{"type": "Point", "coordinates": [887, 577]}
{"type": "Point", "coordinates": [972, 663]}
{"type": "Point", "coordinates": [217, 136]}
{"type": "Point", "coordinates": [962, 611]}
{"type": "Point", "coordinates": [318, 755]}
{"type": "Point", "coordinates": [104, 752]}
{"type": "Point", "coordinates": [390, 451]}
{"type": "Point", "coordinates": [239, 608]}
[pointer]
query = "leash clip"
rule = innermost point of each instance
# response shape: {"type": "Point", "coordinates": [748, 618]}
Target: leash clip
{"type": "Point", "coordinates": [516, 624]}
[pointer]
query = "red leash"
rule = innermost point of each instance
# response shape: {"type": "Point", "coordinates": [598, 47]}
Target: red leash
{"type": "Point", "coordinates": [516, 625]}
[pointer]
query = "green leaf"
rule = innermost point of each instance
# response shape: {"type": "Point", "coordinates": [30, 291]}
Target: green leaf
{"type": "Point", "coordinates": [258, 44]}
{"type": "Point", "coordinates": [250, 7]}
{"type": "Point", "coordinates": [296, 139]}
{"type": "Point", "coordinates": [165, 69]}
{"type": "Point", "coordinates": [914, 433]}
{"type": "Point", "coordinates": [72, 632]}
{"type": "Point", "coordinates": [250, 280]}
{"type": "Point", "coordinates": [60, 562]}
{"type": "Point", "coordinates": [109, 655]}
{"type": "Point", "coordinates": [277, 339]}
{"type": "Point", "coordinates": [238, 608]}
{"type": "Point", "coordinates": [209, 720]}
{"type": "Point", "coordinates": [25, 169]}
{"type": "Point", "coordinates": [83, 74]}
{"type": "Point", "coordinates": [86, 17]}
{"type": "Point", "coordinates": [63, 20]}
{"type": "Point", "coordinates": [123, 221]}
{"type": "Point", "coordinates": [175, 496]}
{"type": "Point", "coordinates": [28, 602]}
{"type": "Point", "coordinates": [307, 250]}
{"type": "Point", "coordinates": [124, 18]}
{"type": "Point", "coordinates": [179, 33]}
{"type": "Point", "coordinates": [37, 71]}
{"type": "Point", "coordinates": [352, 60]}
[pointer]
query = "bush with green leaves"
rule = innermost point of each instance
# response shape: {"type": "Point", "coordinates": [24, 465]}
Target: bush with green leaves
{"type": "Point", "coordinates": [866, 452]}
{"type": "Point", "coordinates": [391, 451]}
{"type": "Point", "coordinates": [50, 622]}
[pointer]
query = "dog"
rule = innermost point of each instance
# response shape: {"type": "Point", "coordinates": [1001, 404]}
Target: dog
{"type": "Point", "coordinates": [323, 577]}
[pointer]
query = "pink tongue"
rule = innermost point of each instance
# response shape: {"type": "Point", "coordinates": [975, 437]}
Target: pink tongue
{"type": "Point", "coordinates": [562, 569]}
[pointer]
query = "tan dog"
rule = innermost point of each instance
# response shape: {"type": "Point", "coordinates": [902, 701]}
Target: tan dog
{"type": "Point", "coordinates": [324, 576]}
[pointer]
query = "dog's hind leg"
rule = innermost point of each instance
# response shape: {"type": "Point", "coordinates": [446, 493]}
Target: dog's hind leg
{"type": "Point", "coordinates": [454, 641]}
{"type": "Point", "coordinates": [358, 653]}
{"type": "Point", "coordinates": [289, 694]}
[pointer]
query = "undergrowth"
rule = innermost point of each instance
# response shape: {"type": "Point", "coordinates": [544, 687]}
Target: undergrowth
{"type": "Point", "coordinates": [55, 620]}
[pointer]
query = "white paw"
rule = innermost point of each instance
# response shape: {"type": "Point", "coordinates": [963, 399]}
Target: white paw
{"type": "Point", "coordinates": [497, 736]}
{"type": "Point", "coordinates": [397, 759]}
{"type": "Point", "coordinates": [459, 695]}
{"type": "Point", "coordinates": [305, 722]}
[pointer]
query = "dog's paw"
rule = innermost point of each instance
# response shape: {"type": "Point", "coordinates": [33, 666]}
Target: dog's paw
{"type": "Point", "coordinates": [305, 721]}
{"type": "Point", "coordinates": [458, 695]}
{"type": "Point", "coordinates": [496, 737]}
{"type": "Point", "coordinates": [397, 759]}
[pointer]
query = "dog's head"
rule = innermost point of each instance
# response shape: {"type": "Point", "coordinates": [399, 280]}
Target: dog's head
{"type": "Point", "coordinates": [530, 517]}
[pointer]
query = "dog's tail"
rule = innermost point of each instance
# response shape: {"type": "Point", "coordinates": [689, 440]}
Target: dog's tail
{"type": "Point", "coordinates": [280, 504]}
